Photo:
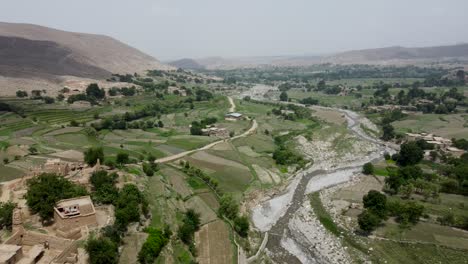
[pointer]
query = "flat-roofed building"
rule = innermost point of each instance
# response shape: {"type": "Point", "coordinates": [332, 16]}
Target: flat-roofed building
{"type": "Point", "coordinates": [233, 116]}
{"type": "Point", "coordinates": [75, 212]}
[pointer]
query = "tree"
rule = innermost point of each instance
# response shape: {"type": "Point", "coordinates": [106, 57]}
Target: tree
{"type": "Point", "coordinates": [101, 178]}
{"type": "Point", "coordinates": [6, 214]}
{"type": "Point", "coordinates": [409, 212]}
{"type": "Point", "coordinates": [102, 250]}
{"type": "Point", "coordinates": [410, 154]}
{"type": "Point", "coordinates": [92, 155]}
{"type": "Point", "coordinates": [283, 96]}
{"type": "Point", "coordinates": [46, 190]}
{"type": "Point", "coordinates": [191, 224]}
{"type": "Point", "coordinates": [147, 169]}
{"type": "Point", "coordinates": [228, 207]}
{"type": "Point", "coordinates": [94, 91]}
{"type": "Point", "coordinates": [32, 150]}
{"type": "Point", "coordinates": [368, 221]}
{"type": "Point", "coordinates": [21, 94]}
{"type": "Point", "coordinates": [376, 202]}
{"type": "Point", "coordinates": [241, 225]}
{"type": "Point", "coordinates": [48, 100]}
{"type": "Point", "coordinates": [368, 168]}
{"type": "Point", "coordinates": [388, 132]}
{"type": "Point", "coordinates": [153, 245]}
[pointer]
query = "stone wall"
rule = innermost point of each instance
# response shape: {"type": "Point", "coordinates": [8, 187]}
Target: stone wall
{"type": "Point", "coordinates": [76, 221]}
{"type": "Point", "coordinates": [68, 255]}
{"type": "Point", "coordinates": [31, 238]}
{"type": "Point", "coordinates": [16, 238]}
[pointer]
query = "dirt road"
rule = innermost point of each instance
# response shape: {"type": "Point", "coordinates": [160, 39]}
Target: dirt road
{"type": "Point", "coordinates": [250, 131]}
{"type": "Point", "coordinates": [233, 105]}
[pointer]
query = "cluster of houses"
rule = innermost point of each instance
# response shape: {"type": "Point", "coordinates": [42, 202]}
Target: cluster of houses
{"type": "Point", "coordinates": [221, 132]}
{"type": "Point", "coordinates": [443, 144]}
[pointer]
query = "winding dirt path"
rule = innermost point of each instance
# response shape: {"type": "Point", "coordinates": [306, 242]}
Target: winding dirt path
{"type": "Point", "coordinates": [250, 131]}
{"type": "Point", "coordinates": [233, 105]}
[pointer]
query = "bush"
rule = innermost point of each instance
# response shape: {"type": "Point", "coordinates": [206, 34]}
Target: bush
{"type": "Point", "coordinates": [241, 225]}
{"type": "Point", "coordinates": [368, 221]}
{"type": "Point", "coordinates": [376, 202]}
{"type": "Point", "coordinates": [94, 91]}
{"type": "Point", "coordinates": [191, 224]}
{"type": "Point", "coordinates": [153, 245]}
{"type": "Point", "coordinates": [228, 207]}
{"type": "Point", "coordinates": [102, 250]}
{"type": "Point", "coordinates": [92, 155]}
{"type": "Point", "coordinates": [368, 168]}
{"type": "Point", "coordinates": [410, 154]}
{"type": "Point", "coordinates": [147, 169]}
{"type": "Point", "coordinates": [103, 183]}
{"type": "Point", "coordinates": [127, 206]}
{"type": "Point", "coordinates": [6, 215]}
{"type": "Point", "coordinates": [122, 158]}
{"type": "Point", "coordinates": [48, 100]}
{"type": "Point", "coordinates": [21, 94]}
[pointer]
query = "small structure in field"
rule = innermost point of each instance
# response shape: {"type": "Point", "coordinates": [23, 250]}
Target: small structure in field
{"type": "Point", "coordinates": [176, 90]}
{"type": "Point", "coordinates": [233, 116]}
{"type": "Point", "coordinates": [215, 132]}
{"type": "Point", "coordinates": [455, 151]}
{"type": "Point", "coordinates": [75, 212]}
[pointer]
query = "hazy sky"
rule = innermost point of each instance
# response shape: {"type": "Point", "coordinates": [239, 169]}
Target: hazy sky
{"type": "Point", "coordinates": [169, 29]}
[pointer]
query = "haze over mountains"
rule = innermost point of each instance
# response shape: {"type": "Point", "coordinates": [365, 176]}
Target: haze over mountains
{"type": "Point", "coordinates": [32, 55]}
{"type": "Point", "coordinates": [390, 55]}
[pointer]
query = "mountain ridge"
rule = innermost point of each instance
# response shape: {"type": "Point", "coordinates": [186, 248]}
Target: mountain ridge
{"type": "Point", "coordinates": [81, 54]}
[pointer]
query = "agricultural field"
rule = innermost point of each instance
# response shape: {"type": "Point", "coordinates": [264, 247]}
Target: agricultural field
{"type": "Point", "coordinates": [436, 242]}
{"type": "Point", "coordinates": [214, 245]}
{"type": "Point", "coordinates": [448, 126]}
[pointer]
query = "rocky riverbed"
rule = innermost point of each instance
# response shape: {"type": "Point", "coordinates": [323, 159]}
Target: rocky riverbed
{"type": "Point", "coordinates": [296, 235]}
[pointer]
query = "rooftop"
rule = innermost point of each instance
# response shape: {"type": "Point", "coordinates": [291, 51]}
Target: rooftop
{"type": "Point", "coordinates": [234, 114]}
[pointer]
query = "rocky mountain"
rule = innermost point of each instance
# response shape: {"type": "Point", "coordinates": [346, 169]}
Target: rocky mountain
{"type": "Point", "coordinates": [35, 51]}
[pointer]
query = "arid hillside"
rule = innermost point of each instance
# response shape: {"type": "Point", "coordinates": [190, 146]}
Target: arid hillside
{"type": "Point", "coordinates": [27, 49]}
{"type": "Point", "coordinates": [439, 53]}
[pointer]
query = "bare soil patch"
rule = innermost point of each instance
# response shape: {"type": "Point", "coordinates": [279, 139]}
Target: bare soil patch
{"type": "Point", "coordinates": [213, 244]}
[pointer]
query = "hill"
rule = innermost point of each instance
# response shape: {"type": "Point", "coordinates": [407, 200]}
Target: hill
{"type": "Point", "coordinates": [35, 51]}
{"type": "Point", "coordinates": [457, 54]}
{"type": "Point", "coordinates": [401, 54]}
{"type": "Point", "coordinates": [187, 64]}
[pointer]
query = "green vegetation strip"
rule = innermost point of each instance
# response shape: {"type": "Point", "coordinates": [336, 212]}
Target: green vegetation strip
{"type": "Point", "coordinates": [327, 222]}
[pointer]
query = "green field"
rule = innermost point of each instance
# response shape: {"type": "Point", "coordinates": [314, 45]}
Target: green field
{"type": "Point", "coordinates": [449, 126]}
